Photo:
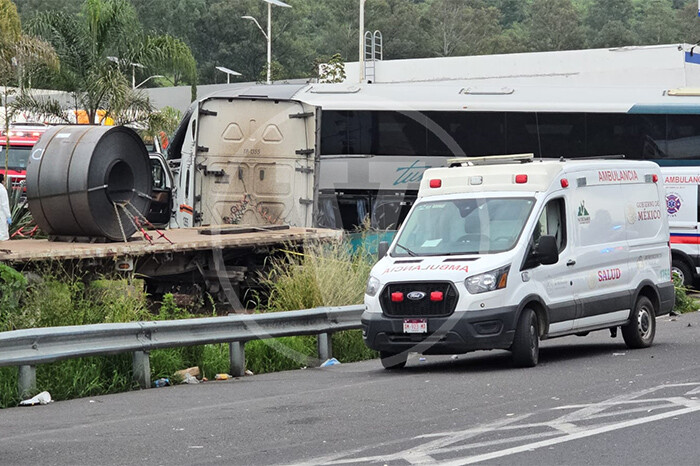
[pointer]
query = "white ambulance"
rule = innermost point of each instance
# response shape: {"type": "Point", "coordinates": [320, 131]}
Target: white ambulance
{"type": "Point", "coordinates": [682, 186]}
{"type": "Point", "coordinates": [501, 252]}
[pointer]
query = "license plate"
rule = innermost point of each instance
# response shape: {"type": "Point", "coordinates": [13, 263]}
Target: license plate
{"type": "Point", "coordinates": [415, 326]}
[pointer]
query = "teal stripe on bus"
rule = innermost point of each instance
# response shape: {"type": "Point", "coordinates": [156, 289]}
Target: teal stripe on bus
{"type": "Point", "coordinates": [667, 109]}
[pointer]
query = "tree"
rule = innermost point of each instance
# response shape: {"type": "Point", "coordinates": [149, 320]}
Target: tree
{"type": "Point", "coordinates": [464, 27]}
{"type": "Point", "coordinates": [610, 23]}
{"type": "Point", "coordinates": [657, 23]}
{"type": "Point", "coordinates": [554, 25]}
{"type": "Point", "coordinates": [99, 48]}
{"type": "Point", "coordinates": [333, 71]}
{"type": "Point", "coordinates": [10, 28]}
{"type": "Point", "coordinates": [18, 54]}
{"type": "Point", "coordinates": [688, 23]}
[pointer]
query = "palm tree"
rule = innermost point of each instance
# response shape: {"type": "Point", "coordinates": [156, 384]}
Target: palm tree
{"type": "Point", "coordinates": [19, 55]}
{"type": "Point", "coordinates": [98, 49]}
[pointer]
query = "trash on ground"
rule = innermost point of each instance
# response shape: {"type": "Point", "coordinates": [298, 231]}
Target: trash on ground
{"type": "Point", "coordinates": [189, 378]}
{"type": "Point", "coordinates": [422, 359]}
{"type": "Point", "coordinates": [162, 382]}
{"type": "Point", "coordinates": [223, 376]}
{"type": "Point", "coordinates": [247, 372]}
{"type": "Point", "coordinates": [330, 362]}
{"type": "Point", "coordinates": [454, 356]}
{"type": "Point", "coordinates": [193, 371]}
{"type": "Point", "coordinates": [618, 354]}
{"type": "Point", "coordinates": [42, 398]}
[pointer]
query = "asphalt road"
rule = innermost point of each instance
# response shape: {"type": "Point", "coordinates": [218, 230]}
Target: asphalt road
{"type": "Point", "coordinates": [589, 401]}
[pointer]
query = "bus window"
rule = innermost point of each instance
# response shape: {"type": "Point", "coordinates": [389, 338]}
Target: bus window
{"type": "Point", "coordinates": [390, 210]}
{"type": "Point", "coordinates": [354, 210]}
{"type": "Point", "coordinates": [346, 132]}
{"type": "Point", "coordinates": [683, 137]}
{"type": "Point", "coordinates": [401, 133]}
{"type": "Point", "coordinates": [475, 133]}
{"type": "Point", "coordinates": [635, 136]}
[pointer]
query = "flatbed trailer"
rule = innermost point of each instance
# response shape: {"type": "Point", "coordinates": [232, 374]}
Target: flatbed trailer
{"type": "Point", "coordinates": [219, 259]}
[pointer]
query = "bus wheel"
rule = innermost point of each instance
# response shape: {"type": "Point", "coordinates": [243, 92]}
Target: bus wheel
{"type": "Point", "coordinates": [526, 346]}
{"type": "Point", "coordinates": [640, 331]}
{"type": "Point", "coordinates": [680, 268]}
{"type": "Point", "coordinates": [393, 360]}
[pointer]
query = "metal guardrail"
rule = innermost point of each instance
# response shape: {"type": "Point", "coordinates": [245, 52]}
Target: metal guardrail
{"type": "Point", "coordinates": [29, 347]}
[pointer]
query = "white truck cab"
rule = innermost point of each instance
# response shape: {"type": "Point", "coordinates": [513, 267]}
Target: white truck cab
{"type": "Point", "coordinates": [501, 252]}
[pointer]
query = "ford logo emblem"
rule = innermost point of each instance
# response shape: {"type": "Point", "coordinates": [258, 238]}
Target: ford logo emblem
{"type": "Point", "coordinates": [415, 295]}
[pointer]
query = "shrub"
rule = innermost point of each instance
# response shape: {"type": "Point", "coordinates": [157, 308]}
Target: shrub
{"type": "Point", "coordinates": [683, 303]}
{"type": "Point", "coordinates": [325, 274]}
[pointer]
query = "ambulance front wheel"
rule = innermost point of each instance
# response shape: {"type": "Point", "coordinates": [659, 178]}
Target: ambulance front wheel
{"type": "Point", "coordinates": [526, 343]}
{"type": "Point", "coordinates": [393, 360]}
{"type": "Point", "coordinates": [682, 270]}
{"type": "Point", "coordinates": [640, 331]}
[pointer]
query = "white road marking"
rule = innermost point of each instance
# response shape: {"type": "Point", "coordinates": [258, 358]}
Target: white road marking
{"type": "Point", "coordinates": [565, 428]}
{"type": "Point", "coordinates": [569, 438]}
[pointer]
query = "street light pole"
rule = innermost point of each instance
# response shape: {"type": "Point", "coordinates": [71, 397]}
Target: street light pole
{"type": "Point", "coordinates": [133, 74]}
{"type": "Point", "coordinates": [148, 79]}
{"type": "Point", "coordinates": [361, 59]}
{"type": "Point", "coordinates": [268, 34]}
{"type": "Point", "coordinates": [269, 41]}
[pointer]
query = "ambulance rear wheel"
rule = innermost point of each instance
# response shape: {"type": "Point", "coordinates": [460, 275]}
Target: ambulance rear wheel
{"type": "Point", "coordinates": [682, 270]}
{"type": "Point", "coordinates": [640, 331]}
{"type": "Point", "coordinates": [392, 361]}
{"type": "Point", "coordinates": [526, 343]}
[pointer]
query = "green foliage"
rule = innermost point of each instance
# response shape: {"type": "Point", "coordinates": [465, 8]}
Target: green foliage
{"type": "Point", "coordinates": [333, 71]}
{"type": "Point", "coordinates": [72, 378]}
{"type": "Point", "coordinates": [683, 303]}
{"type": "Point", "coordinates": [326, 274]}
{"type": "Point", "coordinates": [21, 217]}
{"type": "Point", "coordinates": [12, 288]}
{"type": "Point", "coordinates": [312, 31]}
{"type": "Point", "coordinates": [97, 50]}
{"type": "Point", "coordinates": [10, 28]}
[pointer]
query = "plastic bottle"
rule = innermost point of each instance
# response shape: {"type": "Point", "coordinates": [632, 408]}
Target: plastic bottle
{"type": "Point", "coordinates": [162, 382]}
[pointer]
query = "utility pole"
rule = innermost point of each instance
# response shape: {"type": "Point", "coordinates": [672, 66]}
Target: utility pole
{"type": "Point", "coordinates": [361, 60]}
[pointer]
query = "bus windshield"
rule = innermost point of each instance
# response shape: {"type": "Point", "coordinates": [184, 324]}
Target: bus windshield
{"type": "Point", "coordinates": [17, 158]}
{"type": "Point", "coordinates": [463, 226]}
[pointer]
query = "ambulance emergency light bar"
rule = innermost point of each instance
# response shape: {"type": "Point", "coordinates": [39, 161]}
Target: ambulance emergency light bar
{"type": "Point", "coordinates": [491, 160]}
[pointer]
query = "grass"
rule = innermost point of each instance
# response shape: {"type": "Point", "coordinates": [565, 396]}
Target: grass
{"type": "Point", "coordinates": [325, 275]}
{"type": "Point", "coordinates": [683, 303]}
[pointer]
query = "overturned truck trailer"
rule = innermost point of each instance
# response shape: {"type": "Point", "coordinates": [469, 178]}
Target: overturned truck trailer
{"type": "Point", "coordinates": [89, 188]}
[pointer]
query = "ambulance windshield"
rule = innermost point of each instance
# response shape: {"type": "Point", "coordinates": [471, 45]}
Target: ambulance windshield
{"type": "Point", "coordinates": [463, 226]}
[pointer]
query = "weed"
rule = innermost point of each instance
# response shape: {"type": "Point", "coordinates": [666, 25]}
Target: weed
{"type": "Point", "coordinates": [683, 303]}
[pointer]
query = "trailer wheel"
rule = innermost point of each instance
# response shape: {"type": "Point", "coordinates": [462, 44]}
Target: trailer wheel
{"type": "Point", "coordinates": [640, 331]}
{"type": "Point", "coordinates": [682, 269]}
{"type": "Point", "coordinates": [526, 346]}
{"type": "Point", "coordinates": [393, 361]}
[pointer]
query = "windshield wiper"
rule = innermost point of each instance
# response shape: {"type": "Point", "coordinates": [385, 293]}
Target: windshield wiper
{"type": "Point", "coordinates": [410, 253]}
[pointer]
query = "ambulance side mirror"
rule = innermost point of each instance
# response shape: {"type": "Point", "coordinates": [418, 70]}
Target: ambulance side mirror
{"type": "Point", "coordinates": [547, 252]}
{"type": "Point", "coordinates": [382, 249]}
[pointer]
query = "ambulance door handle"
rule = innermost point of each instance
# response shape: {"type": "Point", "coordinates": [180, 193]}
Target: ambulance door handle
{"type": "Point", "coordinates": [570, 262]}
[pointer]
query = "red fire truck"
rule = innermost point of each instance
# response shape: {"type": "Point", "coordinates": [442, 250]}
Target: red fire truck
{"type": "Point", "coordinates": [23, 136]}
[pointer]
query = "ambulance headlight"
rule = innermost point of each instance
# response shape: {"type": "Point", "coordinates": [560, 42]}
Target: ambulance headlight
{"type": "Point", "coordinates": [489, 281]}
{"type": "Point", "coordinates": [372, 286]}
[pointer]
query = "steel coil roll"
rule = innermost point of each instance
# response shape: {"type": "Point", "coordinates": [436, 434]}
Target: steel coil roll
{"type": "Point", "coordinates": [89, 181]}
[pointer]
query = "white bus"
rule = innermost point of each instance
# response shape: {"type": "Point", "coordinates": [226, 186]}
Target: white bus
{"type": "Point", "coordinates": [372, 142]}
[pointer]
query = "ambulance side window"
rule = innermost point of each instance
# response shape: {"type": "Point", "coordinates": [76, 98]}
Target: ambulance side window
{"type": "Point", "coordinates": [552, 222]}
